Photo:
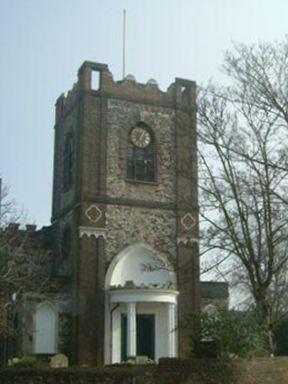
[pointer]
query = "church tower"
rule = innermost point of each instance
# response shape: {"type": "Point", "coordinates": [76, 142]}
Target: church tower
{"type": "Point", "coordinates": [125, 215]}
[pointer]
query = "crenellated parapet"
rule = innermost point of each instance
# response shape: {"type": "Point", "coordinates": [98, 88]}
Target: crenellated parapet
{"type": "Point", "coordinates": [15, 228]}
{"type": "Point", "coordinates": [15, 235]}
{"type": "Point", "coordinates": [96, 79]}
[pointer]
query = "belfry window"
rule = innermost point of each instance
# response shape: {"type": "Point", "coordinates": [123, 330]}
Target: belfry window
{"type": "Point", "coordinates": [68, 163]}
{"type": "Point", "coordinates": [141, 154]}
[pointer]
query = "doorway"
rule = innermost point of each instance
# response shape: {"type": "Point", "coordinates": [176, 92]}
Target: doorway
{"type": "Point", "coordinates": [145, 330]}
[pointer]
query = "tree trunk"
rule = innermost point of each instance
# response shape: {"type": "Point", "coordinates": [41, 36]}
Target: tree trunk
{"type": "Point", "coordinates": [264, 311]}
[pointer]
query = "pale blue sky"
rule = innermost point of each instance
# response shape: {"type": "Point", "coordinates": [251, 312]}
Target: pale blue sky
{"type": "Point", "coordinates": [43, 42]}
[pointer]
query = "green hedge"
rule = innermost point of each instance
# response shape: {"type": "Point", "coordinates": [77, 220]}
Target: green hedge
{"type": "Point", "coordinates": [169, 371]}
{"type": "Point", "coordinates": [109, 375]}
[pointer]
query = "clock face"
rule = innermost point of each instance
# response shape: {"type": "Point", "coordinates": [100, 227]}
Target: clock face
{"type": "Point", "coordinates": [140, 137]}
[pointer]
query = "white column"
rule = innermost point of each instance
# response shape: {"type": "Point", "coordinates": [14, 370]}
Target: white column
{"type": "Point", "coordinates": [131, 329]}
{"type": "Point", "coordinates": [171, 330]}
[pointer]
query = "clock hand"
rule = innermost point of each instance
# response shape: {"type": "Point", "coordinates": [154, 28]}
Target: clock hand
{"type": "Point", "coordinates": [139, 134]}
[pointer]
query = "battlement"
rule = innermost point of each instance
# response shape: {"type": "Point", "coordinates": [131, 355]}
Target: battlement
{"type": "Point", "coordinates": [15, 233]}
{"type": "Point", "coordinates": [15, 227]}
{"type": "Point", "coordinates": [97, 80]}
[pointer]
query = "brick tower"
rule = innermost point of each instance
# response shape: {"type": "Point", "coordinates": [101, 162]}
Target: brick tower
{"type": "Point", "coordinates": [125, 188]}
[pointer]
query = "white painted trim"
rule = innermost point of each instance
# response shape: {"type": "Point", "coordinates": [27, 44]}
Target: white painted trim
{"type": "Point", "coordinates": [151, 295]}
{"type": "Point", "coordinates": [92, 231]}
{"type": "Point", "coordinates": [171, 308]}
{"type": "Point", "coordinates": [124, 253]}
{"type": "Point", "coordinates": [160, 311]}
{"type": "Point", "coordinates": [131, 329]}
{"type": "Point", "coordinates": [55, 310]}
{"type": "Point", "coordinates": [187, 240]}
{"type": "Point", "coordinates": [143, 296]}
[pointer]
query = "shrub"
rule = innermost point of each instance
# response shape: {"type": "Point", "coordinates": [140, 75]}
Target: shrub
{"type": "Point", "coordinates": [27, 362]}
{"type": "Point", "coordinates": [227, 334]}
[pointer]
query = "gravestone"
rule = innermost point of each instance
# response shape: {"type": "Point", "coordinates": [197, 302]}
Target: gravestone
{"type": "Point", "coordinates": [59, 361]}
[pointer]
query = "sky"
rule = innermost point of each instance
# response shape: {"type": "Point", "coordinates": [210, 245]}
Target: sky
{"type": "Point", "coordinates": [44, 42]}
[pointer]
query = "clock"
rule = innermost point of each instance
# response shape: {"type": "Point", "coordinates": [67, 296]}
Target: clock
{"type": "Point", "coordinates": [140, 137]}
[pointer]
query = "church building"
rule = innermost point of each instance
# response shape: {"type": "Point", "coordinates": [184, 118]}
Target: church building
{"type": "Point", "coordinates": [125, 223]}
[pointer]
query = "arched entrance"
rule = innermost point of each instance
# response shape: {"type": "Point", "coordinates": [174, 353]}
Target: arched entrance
{"type": "Point", "coordinates": [141, 300]}
{"type": "Point", "coordinates": [45, 329]}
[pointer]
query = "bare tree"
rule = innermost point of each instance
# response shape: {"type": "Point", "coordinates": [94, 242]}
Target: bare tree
{"type": "Point", "coordinates": [9, 213]}
{"type": "Point", "coordinates": [25, 267]}
{"type": "Point", "coordinates": [243, 174]}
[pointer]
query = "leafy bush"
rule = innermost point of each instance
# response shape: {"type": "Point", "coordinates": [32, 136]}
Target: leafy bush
{"type": "Point", "coordinates": [27, 362]}
{"type": "Point", "coordinates": [227, 334]}
{"type": "Point", "coordinates": [281, 338]}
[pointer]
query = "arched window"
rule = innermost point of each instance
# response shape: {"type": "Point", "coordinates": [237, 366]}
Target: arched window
{"type": "Point", "coordinates": [45, 323]}
{"type": "Point", "coordinates": [68, 163]}
{"type": "Point", "coordinates": [141, 154]}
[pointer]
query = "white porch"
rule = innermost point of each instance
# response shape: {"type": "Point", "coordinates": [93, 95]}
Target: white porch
{"type": "Point", "coordinates": [141, 312]}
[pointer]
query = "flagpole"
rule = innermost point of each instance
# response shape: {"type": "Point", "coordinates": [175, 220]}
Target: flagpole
{"type": "Point", "coordinates": [124, 41]}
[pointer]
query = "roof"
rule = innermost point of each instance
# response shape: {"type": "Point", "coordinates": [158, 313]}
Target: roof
{"type": "Point", "coordinates": [214, 290]}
